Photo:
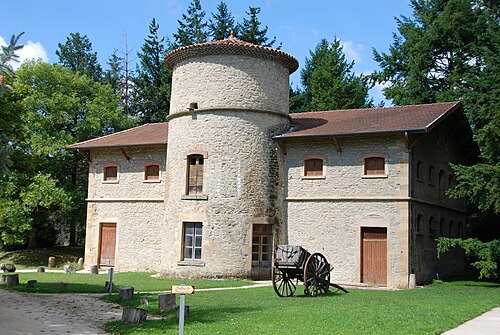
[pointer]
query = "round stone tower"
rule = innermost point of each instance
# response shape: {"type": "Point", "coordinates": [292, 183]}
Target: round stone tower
{"type": "Point", "coordinates": [223, 199]}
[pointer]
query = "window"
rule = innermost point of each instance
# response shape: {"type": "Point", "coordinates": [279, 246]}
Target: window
{"type": "Point", "coordinates": [419, 223]}
{"type": "Point", "coordinates": [432, 175]}
{"type": "Point", "coordinates": [152, 172]}
{"type": "Point", "coordinates": [110, 173]}
{"type": "Point", "coordinates": [374, 166]}
{"type": "Point", "coordinates": [192, 241]}
{"type": "Point", "coordinates": [313, 167]}
{"type": "Point", "coordinates": [195, 175]}
{"type": "Point", "coordinates": [432, 229]}
{"type": "Point", "coordinates": [420, 170]}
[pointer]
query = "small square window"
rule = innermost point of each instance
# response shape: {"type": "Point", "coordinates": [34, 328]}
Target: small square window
{"type": "Point", "coordinates": [152, 172]}
{"type": "Point", "coordinates": [111, 173]}
{"type": "Point", "coordinates": [313, 167]}
{"type": "Point", "coordinates": [374, 166]}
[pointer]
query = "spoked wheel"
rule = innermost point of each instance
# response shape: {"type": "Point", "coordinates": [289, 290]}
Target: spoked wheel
{"type": "Point", "coordinates": [283, 284]}
{"type": "Point", "coordinates": [316, 275]}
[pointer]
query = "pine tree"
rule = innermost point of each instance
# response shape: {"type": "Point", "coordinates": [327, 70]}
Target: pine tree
{"type": "Point", "coordinates": [250, 30]}
{"type": "Point", "coordinates": [77, 55]}
{"type": "Point", "coordinates": [329, 81]}
{"type": "Point", "coordinates": [193, 27]}
{"type": "Point", "coordinates": [152, 83]}
{"type": "Point", "coordinates": [449, 51]}
{"type": "Point", "coordinates": [222, 23]}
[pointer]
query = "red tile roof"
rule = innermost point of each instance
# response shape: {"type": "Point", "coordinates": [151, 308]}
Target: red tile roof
{"type": "Point", "coordinates": [231, 46]}
{"type": "Point", "coordinates": [415, 118]}
{"type": "Point", "coordinates": [147, 134]}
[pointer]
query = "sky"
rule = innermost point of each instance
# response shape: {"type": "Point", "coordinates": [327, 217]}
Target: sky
{"type": "Point", "coordinates": [361, 25]}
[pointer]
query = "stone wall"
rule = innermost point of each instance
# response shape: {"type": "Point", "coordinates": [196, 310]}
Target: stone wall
{"type": "Point", "coordinates": [326, 214]}
{"type": "Point", "coordinates": [230, 81]}
{"type": "Point", "coordinates": [241, 188]}
{"type": "Point", "coordinates": [135, 205]}
{"type": "Point", "coordinates": [434, 213]}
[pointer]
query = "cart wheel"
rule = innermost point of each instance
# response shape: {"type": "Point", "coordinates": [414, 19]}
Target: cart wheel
{"type": "Point", "coordinates": [316, 275]}
{"type": "Point", "coordinates": [283, 284]}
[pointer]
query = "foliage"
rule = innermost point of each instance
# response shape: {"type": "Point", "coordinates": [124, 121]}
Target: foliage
{"type": "Point", "coordinates": [432, 310]}
{"type": "Point", "coordinates": [7, 54]}
{"type": "Point", "coordinates": [152, 85]}
{"type": "Point", "coordinates": [250, 30]}
{"type": "Point", "coordinates": [119, 78]}
{"type": "Point", "coordinates": [46, 186]}
{"type": "Point", "coordinates": [222, 23]}
{"type": "Point", "coordinates": [76, 54]}
{"type": "Point", "coordinates": [34, 258]}
{"type": "Point", "coordinates": [192, 27]}
{"type": "Point", "coordinates": [449, 51]}
{"type": "Point", "coordinates": [329, 82]}
{"type": "Point", "coordinates": [486, 253]}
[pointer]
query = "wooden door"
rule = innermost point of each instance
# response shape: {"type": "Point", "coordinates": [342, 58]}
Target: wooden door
{"type": "Point", "coordinates": [374, 255]}
{"type": "Point", "coordinates": [107, 244]}
{"type": "Point", "coordinates": [262, 237]}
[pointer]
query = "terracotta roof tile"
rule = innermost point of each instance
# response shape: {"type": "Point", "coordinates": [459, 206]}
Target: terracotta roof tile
{"type": "Point", "coordinates": [147, 134]}
{"type": "Point", "coordinates": [371, 120]}
{"type": "Point", "coordinates": [231, 46]}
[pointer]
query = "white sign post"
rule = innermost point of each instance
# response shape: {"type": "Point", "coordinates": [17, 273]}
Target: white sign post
{"type": "Point", "coordinates": [182, 290]}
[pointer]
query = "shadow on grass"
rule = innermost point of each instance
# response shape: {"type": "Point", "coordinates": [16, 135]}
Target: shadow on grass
{"type": "Point", "coordinates": [39, 257]}
{"type": "Point", "coordinates": [61, 287]}
{"type": "Point", "coordinates": [170, 322]}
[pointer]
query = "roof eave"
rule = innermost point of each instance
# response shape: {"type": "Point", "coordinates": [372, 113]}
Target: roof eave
{"type": "Point", "coordinates": [402, 131]}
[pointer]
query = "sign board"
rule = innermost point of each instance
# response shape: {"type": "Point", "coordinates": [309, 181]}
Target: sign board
{"type": "Point", "coordinates": [183, 289]}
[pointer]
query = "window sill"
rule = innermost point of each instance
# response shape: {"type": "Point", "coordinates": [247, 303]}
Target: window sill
{"type": "Point", "coordinates": [191, 263]}
{"type": "Point", "coordinates": [374, 176]}
{"type": "Point", "coordinates": [110, 181]}
{"type": "Point", "coordinates": [313, 177]}
{"type": "Point", "coordinates": [195, 197]}
{"type": "Point", "coordinates": [152, 181]}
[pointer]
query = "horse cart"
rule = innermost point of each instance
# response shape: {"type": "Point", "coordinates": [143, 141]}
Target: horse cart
{"type": "Point", "coordinates": [293, 263]}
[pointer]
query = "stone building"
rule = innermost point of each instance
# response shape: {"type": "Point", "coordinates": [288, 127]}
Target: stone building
{"type": "Point", "coordinates": [231, 174]}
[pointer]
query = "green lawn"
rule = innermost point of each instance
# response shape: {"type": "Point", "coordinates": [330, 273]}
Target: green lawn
{"type": "Point", "coordinates": [49, 282]}
{"type": "Point", "coordinates": [430, 310]}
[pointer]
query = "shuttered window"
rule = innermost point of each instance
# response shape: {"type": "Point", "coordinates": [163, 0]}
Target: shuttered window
{"type": "Point", "coordinates": [374, 165]}
{"type": "Point", "coordinates": [195, 175]}
{"type": "Point", "coordinates": [313, 167]}
{"type": "Point", "coordinates": [111, 173]}
{"type": "Point", "coordinates": [152, 172]}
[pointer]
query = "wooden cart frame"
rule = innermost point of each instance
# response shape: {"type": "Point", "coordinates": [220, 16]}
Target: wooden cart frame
{"type": "Point", "coordinates": [293, 263]}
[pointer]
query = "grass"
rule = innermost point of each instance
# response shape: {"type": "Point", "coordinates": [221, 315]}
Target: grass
{"type": "Point", "coordinates": [50, 282]}
{"type": "Point", "coordinates": [33, 258]}
{"type": "Point", "coordinates": [431, 310]}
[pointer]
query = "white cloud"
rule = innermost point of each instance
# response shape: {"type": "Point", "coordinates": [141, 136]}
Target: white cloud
{"type": "Point", "coordinates": [30, 50]}
{"type": "Point", "coordinates": [352, 51]}
{"type": "Point", "coordinates": [377, 93]}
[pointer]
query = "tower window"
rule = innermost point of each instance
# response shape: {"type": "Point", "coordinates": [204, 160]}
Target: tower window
{"type": "Point", "coordinates": [195, 175]}
{"type": "Point", "coordinates": [192, 240]}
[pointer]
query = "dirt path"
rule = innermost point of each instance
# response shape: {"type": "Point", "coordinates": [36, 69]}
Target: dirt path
{"type": "Point", "coordinates": [76, 314]}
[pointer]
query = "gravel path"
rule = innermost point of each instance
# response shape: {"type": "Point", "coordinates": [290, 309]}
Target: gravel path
{"type": "Point", "coordinates": [78, 314]}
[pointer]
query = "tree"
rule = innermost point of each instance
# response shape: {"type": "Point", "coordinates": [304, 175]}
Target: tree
{"type": "Point", "coordinates": [77, 55]}
{"type": "Point", "coordinates": [152, 84]}
{"type": "Point", "coordinates": [449, 51]}
{"type": "Point", "coordinates": [250, 30]}
{"type": "Point", "coordinates": [329, 82]}
{"type": "Point", "coordinates": [118, 76]}
{"type": "Point", "coordinates": [222, 23]}
{"type": "Point", "coordinates": [47, 185]}
{"type": "Point", "coordinates": [7, 120]}
{"type": "Point", "coordinates": [192, 27]}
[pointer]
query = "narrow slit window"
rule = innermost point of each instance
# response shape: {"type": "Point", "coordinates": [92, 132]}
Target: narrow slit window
{"type": "Point", "coordinates": [374, 166]}
{"type": "Point", "coordinates": [195, 175]}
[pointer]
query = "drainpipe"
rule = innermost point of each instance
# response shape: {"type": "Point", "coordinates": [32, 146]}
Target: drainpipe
{"type": "Point", "coordinates": [411, 231]}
